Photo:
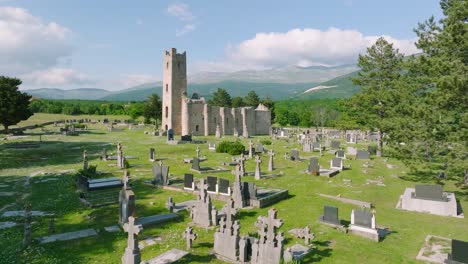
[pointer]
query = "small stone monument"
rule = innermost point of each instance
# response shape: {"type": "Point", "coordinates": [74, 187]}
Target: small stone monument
{"type": "Point", "coordinates": [218, 131]}
{"type": "Point", "coordinates": [152, 155]}
{"type": "Point", "coordinates": [85, 160]}
{"type": "Point", "coordinates": [120, 157]}
{"type": "Point", "coordinates": [363, 224]}
{"type": "Point", "coordinates": [250, 149]}
{"type": "Point", "coordinates": [170, 204]}
{"type": "Point", "coordinates": [258, 172]}
{"type": "Point", "coordinates": [201, 212]}
{"type": "Point", "coordinates": [189, 236]}
{"type": "Point", "coordinates": [132, 251]}
{"type": "Point", "coordinates": [271, 166]}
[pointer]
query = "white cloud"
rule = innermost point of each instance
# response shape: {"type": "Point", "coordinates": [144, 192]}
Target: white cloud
{"type": "Point", "coordinates": [28, 44]}
{"type": "Point", "coordinates": [303, 47]}
{"type": "Point", "coordinates": [186, 29]}
{"type": "Point", "coordinates": [181, 11]}
{"type": "Point", "coordinates": [57, 77]}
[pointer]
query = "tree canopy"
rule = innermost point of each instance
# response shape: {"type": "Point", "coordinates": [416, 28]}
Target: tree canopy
{"type": "Point", "coordinates": [14, 105]}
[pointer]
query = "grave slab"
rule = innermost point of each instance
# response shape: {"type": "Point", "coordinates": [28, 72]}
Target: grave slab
{"type": "Point", "coordinates": [156, 219]}
{"type": "Point", "coordinates": [68, 236]}
{"type": "Point", "coordinates": [170, 256]}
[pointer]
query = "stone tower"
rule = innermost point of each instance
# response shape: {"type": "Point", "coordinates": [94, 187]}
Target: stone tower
{"type": "Point", "coordinates": [174, 88]}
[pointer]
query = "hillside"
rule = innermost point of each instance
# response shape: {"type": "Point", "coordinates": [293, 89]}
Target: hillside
{"type": "Point", "coordinates": [236, 88]}
{"type": "Point", "coordinates": [339, 87]}
{"type": "Point", "coordinates": [81, 93]}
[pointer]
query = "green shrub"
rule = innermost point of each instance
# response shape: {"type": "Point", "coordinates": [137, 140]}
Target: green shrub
{"type": "Point", "coordinates": [90, 172]}
{"type": "Point", "coordinates": [233, 148]}
{"type": "Point", "coordinates": [265, 142]}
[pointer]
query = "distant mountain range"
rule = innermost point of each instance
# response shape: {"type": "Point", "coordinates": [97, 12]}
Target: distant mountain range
{"type": "Point", "coordinates": [281, 83]}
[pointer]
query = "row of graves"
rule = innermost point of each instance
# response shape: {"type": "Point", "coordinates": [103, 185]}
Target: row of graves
{"type": "Point", "coordinates": [185, 139]}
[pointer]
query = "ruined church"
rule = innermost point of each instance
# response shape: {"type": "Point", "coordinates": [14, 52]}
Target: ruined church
{"type": "Point", "coordinates": [193, 116]}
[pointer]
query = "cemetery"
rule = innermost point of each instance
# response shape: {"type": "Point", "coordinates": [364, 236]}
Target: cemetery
{"type": "Point", "coordinates": [319, 132]}
{"type": "Point", "coordinates": [164, 197]}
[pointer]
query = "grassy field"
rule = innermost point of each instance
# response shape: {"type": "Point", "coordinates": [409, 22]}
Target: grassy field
{"type": "Point", "coordinates": [22, 171]}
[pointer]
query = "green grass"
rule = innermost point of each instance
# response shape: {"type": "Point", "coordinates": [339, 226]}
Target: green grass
{"type": "Point", "coordinates": [59, 153]}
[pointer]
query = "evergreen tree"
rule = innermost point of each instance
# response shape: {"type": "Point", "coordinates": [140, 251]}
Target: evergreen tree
{"type": "Point", "coordinates": [252, 99]}
{"type": "Point", "coordinates": [152, 108]}
{"type": "Point", "coordinates": [221, 98]}
{"type": "Point", "coordinates": [14, 105]}
{"type": "Point", "coordinates": [377, 104]}
{"type": "Point", "coordinates": [237, 102]}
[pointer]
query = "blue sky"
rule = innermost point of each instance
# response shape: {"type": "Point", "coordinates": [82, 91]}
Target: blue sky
{"type": "Point", "coordinates": [118, 44]}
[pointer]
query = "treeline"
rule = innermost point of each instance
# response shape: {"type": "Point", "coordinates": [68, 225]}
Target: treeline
{"type": "Point", "coordinates": [308, 113]}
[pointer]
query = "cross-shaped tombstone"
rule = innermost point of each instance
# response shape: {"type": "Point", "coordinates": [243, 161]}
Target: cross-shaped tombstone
{"type": "Point", "coordinates": [222, 224]}
{"type": "Point", "coordinates": [242, 165]}
{"type": "Point", "coordinates": [170, 204]}
{"type": "Point", "coordinates": [308, 236]}
{"type": "Point", "coordinates": [271, 167]}
{"type": "Point", "coordinates": [230, 212]}
{"type": "Point", "coordinates": [132, 252]}
{"type": "Point", "coordinates": [286, 156]}
{"type": "Point", "coordinates": [280, 239]}
{"type": "Point", "coordinates": [198, 152]}
{"type": "Point", "coordinates": [250, 149]}
{"type": "Point", "coordinates": [271, 223]}
{"type": "Point", "coordinates": [203, 194]}
{"type": "Point", "coordinates": [189, 236]}
{"type": "Point", "coordinates": [235, 229]}
{"type": "Point", "coordinates": [258, 172]}
{"type": "Point", "coordinates": [125, 180]}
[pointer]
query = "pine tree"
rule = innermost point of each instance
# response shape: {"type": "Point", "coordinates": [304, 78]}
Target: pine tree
{"type": "Point", "coordinates": [14, 105]}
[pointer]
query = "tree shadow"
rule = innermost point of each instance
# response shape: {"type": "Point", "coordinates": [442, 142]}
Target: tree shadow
{"type": "Point", "coordinates": [424, 176]}
{"type": "Point", "coordinates": [190, 258]}
{"type": "Point", "coordinates": [204, 245]}
{"type": "Point", "coordinates": [320, 252]}
{"type": "Point", "coordinates": [245, 214]}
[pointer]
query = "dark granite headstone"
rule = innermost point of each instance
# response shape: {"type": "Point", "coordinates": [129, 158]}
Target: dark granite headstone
{"type": "Point", "coordinates": [212, 181]}
{"type": "Point", "coordinates": [170, 134]}
{"type": "Point", "coordinates": [223, 186]}
{"type": "Point", "coordinates": [335, 144]}
{"type": "Point", "coordinates": [429, 192]}
{"type": "Point", "coordinates": [188, 180]}
{"type": "Point", "coordinates": [330, 215]}
{"type": "Point", "coordinates": [459, 251]}
{"type": "Point", "coordinates": [314, 166]}
{"type": "Point", "coordinates": [294, 155]}
{"type": "Point", "coordinates": [151, 154]}
{"type": "Point", "coordinates": [362, 155]}
{"type": "Point", "coordinates": [340, 154]}
{"type": "Point", "coordinates": [337, 162]}
{"type": "Point", "coordinates": [363, 218]}
{"type": "Point", "coordinates": [186, 138]}
{"type": "Point", "coordinates": [259, 148]}
{"type": "Point", "coordinates": [196, 164]}
{"type": "Point", "coordinates": [315, 145]}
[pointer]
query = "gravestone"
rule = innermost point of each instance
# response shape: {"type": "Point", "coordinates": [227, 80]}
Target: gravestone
{"type": "Point", "coordinates": [223, 186]}
{"type": "Point", "coordinates": [295, 155]}
{"type": "Point", "coordinates": [351, 151]}
{"type": "Point", "coordinates": [336, 163]}
{"type": "Point", "coordinates": [170, 204]}
{"type": "Point", "coordinates": [258, 172]}
{"type": "Point", "coordinates": [151, 154]}
{"type": "Point", "coordinates": [316, 146]}
{"type": "Point", "coordinates": [160, 174]}
{"type": "Point", "coordinates": [85, 160]}
{"type": "Point", "coordinates": [335, 144]}
{"type": "Point", "coordinates": [429, 192]}
{"type": "Point", "coordinates": [126, 202]}
{"type": "Point", "coordinates": [188, 182]}
{"type": "Point", "coordinates": [132, 251]}
{"type": "Point", "coordinates": [226, 237]}
{"type": "Point", "coordinates": [189, 236]}
{"type": "Point", "coordinates": [104, 154]}
{"type": "Point", "coordinates": [340, 154]}
{"type": "Point", "coordinates": [268, 249]}
{"type": "Point", "coordinates": [363, 218]}
{"type": "Point", "coordinates": [330, 215]}
{"type": "Point", "coordinates": [186, 138]}
{"type": "Point", "coordinates": [198, 152]}
{"type": "Point", "coordinates": [242, 164]}
{"type": "Point", "coordinates": [250, 149]}
{"type": "Point", "coordinates": [314, 167]}
{"type": "Point", "coordinates": [362, 155]}
{"type": "Point", "coordinates": [459, 252]}
{"type": "Point", "coordinates": [196, 164]}
{"type": "Point", "coordinates": [211, 146]}
{"type": "Point", "coordinates": [201, 212]}
{"type": "Point", "coordinates": [236, 133]}
{"type": "Point", "coordinates": [237, 190]}
{"type": "Point", "coordinates": [218, 131]}
{"type": "Point", "coordinates": [271, 166]}
{"type": "Point", "coordinates": [170, 135]}
{"type": "Point", "coordinates": [212, 182]}
{"type": "Point", "coordinates": [259, 148]}
{"type": "Point", "coordinates": [120, 157]}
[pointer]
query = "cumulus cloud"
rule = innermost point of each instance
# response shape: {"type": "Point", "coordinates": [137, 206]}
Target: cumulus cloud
{"type": "Point", "coordinates": [182, 12]}
{"type": "Point", "coordinates": [28, 44]}
{"type": "Point", "coordinates": [303, 47]}
{"type": "Point", "coordinates": [57, 77]}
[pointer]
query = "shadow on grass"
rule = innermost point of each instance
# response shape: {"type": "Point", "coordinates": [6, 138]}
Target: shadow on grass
{"type": "Point", "coordinates": [204, 245]}
{"type": "Point", "coordinates": [246, 214]}
{"type": "Point", "coordinates": [424, 176]}
{"type": "Point", "coordinates": [320, 252]}
{"type": "Point", "coordinates": [195, 258]}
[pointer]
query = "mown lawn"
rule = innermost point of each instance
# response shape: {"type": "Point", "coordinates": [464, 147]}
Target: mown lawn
{"type": "Point", "coordinates": [59, 154]}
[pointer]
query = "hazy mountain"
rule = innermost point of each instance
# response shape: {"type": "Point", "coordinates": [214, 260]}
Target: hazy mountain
{"type": "Point", "coordinates": [339, 87]}
{"type": "Point", "coordinates": [81, 93]}
{"type": "Point", "coordinates": [278, 83]}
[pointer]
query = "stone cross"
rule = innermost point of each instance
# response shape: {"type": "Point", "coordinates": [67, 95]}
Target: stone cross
{"type": "Point", "coordinates": [258, 172]}
{"type": "Point", "coordinates": [286, 156]}
{"type": "Point", "coordinates": [250, 149]}
{"type": "Point", "coordinates": [270, 223]}
{"type": "Point", "coordinates": [230, 212]}
{"type": "Point", "coordinates": [307, 235]}
{"type": "Point", "coordinates": [222, 225]}
{"type": "Point", "coordinates": [132, 252]}
{"type": "Point", "coordinates": [203, 194]}
{"type": "Point", "coordinates": [126, 186]}
{"type": "Point", "coordinates": [242, 164]}
{"type": "Point", "coordinates": [85, 160]}
{"type": "Point", "coordinates": [170, 204]}
{"type": "Point", "coordinates": [198, 152]}
{"type": "Point", "coordinates": [189, 236]}
{"type": "Point", "coordinates": [271, 167]}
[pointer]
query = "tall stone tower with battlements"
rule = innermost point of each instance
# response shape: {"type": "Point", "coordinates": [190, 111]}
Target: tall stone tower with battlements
{"type": "Point", "coordinates": [174, 89]}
